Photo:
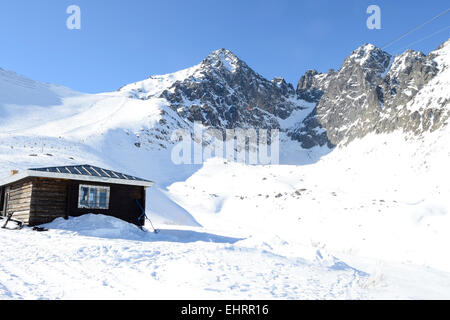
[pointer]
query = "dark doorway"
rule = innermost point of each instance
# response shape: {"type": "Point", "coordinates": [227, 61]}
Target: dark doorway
{"type": "Point", "coordinates": [4, 194]}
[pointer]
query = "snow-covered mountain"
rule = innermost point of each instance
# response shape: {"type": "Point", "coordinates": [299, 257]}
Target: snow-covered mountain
{"type": "Point", "coordinates": [221, 92]}
{"type": "Point", "coordinates": [371, 92]}
{"type": "Point", "coordinates": [375, 92]}
{"type": "Point", "coordinates": [360, 198]}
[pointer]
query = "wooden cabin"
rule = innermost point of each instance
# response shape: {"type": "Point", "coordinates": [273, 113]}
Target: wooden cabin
{"type": "Point", "coordinates": [38, 196]}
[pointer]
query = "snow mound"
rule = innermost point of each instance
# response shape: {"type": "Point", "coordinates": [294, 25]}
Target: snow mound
{"type": "Point", "coordinates": [102, 226]}
{"type": "Point", "coordinates": [107, 227]}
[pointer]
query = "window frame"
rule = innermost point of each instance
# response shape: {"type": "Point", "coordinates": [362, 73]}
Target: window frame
{"type": "Point", "coordinates": [98, 189]}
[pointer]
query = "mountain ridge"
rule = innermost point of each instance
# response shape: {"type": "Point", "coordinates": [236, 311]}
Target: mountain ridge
{"type": "Point", "coordinates": [371, 92]}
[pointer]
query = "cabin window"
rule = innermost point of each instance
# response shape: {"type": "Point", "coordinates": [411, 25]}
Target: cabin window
{"type": "Point", "coordinates": [93, 197]}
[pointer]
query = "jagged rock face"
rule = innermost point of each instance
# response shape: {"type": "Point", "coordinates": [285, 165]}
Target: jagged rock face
{"type": "Point", "coordinates": [350, 99]}
{"type": "Point", "coordinates": [311, 86]}
{"type": "Point", "coordinates": [409, 73]}
{"type": "Point", "coordinates": [230, 94]}
{"type": "Point", "coordinates": [370, 93]}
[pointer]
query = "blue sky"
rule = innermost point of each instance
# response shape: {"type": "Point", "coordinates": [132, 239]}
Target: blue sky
{"type": "Point", "coordinates": [126, 41]}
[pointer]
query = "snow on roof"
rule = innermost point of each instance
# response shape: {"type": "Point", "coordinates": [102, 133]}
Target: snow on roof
{"type": "Point", "coordinates": [82, 173]}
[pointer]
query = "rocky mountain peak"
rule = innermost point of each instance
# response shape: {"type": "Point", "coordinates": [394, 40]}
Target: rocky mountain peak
{"type": "Point", "coordinates": [404, 62]}
{"type": "Point", "coordinates": [279, 80]}
{"type": "Point", "coordinates": [311, 86]}
{"type": "Point", "coordinates": [368, 57]}
{"type": "Point", "coordinates": [286, 88]}
{"type": "Point", "coordinates": [223, 59]}
{"type": "Point", "coordinates": [226, 93]}
{"type": "Point", "coordinates": [374, 92]}
{"type": "Point", "coordinates": [371, 92]}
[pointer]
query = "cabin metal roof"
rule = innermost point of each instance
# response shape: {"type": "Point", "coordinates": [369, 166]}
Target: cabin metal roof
{"type": "Point", "coordinates": [88, 170]}
{"type": "Point", "coordinates": [80, 172]}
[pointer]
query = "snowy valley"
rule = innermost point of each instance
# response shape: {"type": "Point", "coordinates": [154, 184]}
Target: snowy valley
{"type": "Point", "coordinates": [358, 207]}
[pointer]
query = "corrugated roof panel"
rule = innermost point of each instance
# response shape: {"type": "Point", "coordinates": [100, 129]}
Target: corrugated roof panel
{"type": "Point", "coordinates": [85, 171]}
{"type": "Point", "coordinates": [114, 174]}
{"type": "Point", "coordinates": [101, 172]}
{"type": "Point", "coordinates": [105, 173]}
{"type": "Point", "coordinates": [88, 170]}
{"type": "Point", "coordinates": [67, 170]}
{"type": "Point", "coordinates": [75, 170]}
{"type": "Point", "coordinates": [96, 172]}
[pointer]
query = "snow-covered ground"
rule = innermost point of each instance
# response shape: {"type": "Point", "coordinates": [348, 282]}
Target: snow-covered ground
{"type": "Point", "coordinates": [364, 222]}
{"type": "Point", "coordinates": [100, 257]}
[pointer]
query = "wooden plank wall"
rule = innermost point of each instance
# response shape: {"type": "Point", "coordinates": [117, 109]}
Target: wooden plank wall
{"type": "Point", "coordinates": [37, 201]}
{"type": "Point", "coordinates": [49, 200]}
{"type": "Point", "coordinates": [20, 200]}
